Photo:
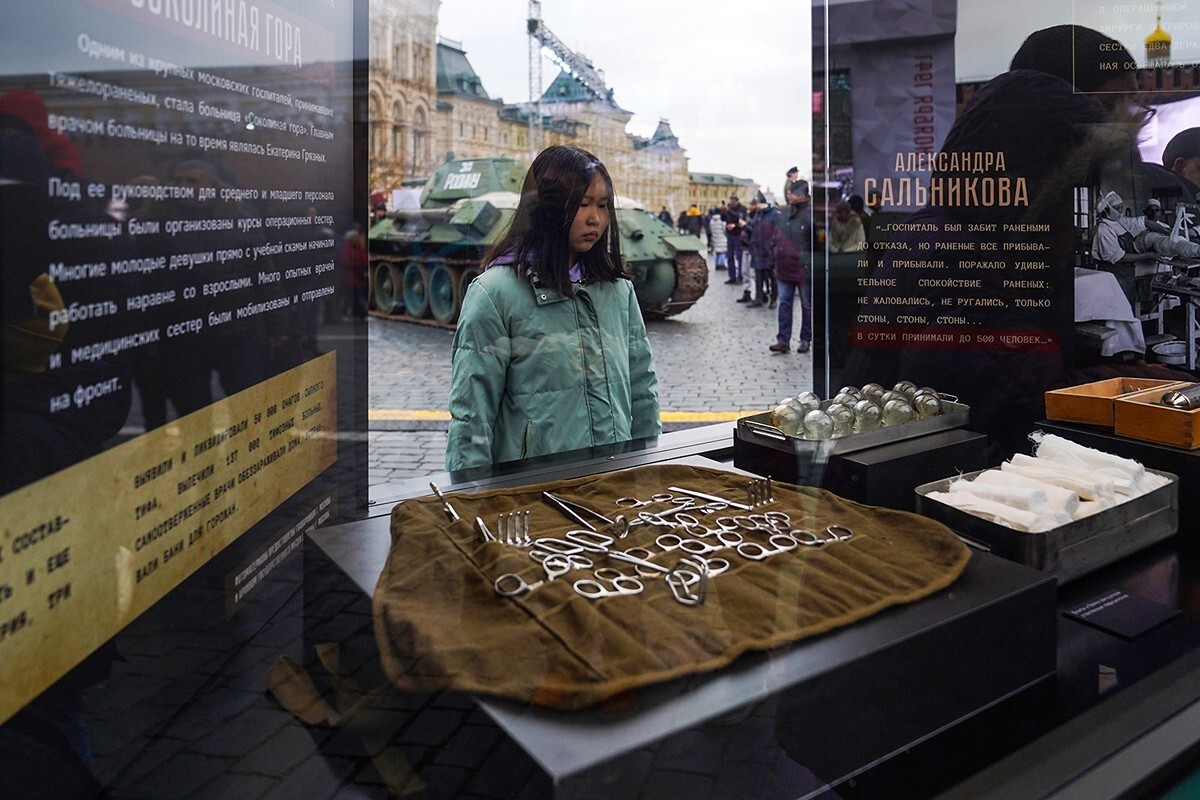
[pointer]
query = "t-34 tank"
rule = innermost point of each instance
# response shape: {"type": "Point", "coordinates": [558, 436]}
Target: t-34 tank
{"type": "Point", "coordinates": [422, 259]}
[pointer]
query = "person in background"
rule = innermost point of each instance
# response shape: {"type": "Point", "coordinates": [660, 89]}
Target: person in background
{"type": "Point", "coordinates": [1154, 216]}
{"type": "Point", "coordinates": [1122, 241]}
{"type": "Point", "coordinates": [354, 273]}
{"type": "Point", "coordinates": [793, 175]}
{"type": "Point", "coordinates": [693, 222]}
{"type": "Point", "coordinates": [1182, 157]}
{"type": "Point", "coordinates": [863, 212]}
{"type": "Point", "coordinates": [665, 215]}
{"type": "Point", "coordinates": [762, 242]}
{"type": "Point", "coordinates": [735, 221]}
{"type": "Point", "coordinates": [792, 250]}
{"type": "Point", "coordinates": [846, 232]}
{"type": "Point", "coordinates": [551, 352]}
{"type": "Point", "coordinates": [716, 238]}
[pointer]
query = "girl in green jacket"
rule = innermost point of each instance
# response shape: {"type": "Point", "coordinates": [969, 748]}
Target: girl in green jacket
{"type": "Point", "coordinates": [551, 351]}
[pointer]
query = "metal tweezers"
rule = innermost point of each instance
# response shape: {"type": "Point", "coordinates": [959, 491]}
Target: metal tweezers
{"type": "Point", "coordinates": [576, 510]}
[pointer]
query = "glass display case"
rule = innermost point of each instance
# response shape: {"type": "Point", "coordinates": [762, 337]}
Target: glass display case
{"type": "Point", "coordinates": [236, 235]}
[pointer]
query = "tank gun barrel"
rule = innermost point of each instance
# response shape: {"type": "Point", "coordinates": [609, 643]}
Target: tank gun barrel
{"type": "Point", "coordinates": [422, 216]}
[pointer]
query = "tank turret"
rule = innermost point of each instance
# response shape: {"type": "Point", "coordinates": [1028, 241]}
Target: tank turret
{"type": "Point", "coordinates": [423, 259]}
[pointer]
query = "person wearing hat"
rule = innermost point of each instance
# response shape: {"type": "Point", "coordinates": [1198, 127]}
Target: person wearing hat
{"type": "Point", "coordinates": [1122, 240]}
{"type": "Point", "coordinates": [1154, 218]}
{"type": "Point", "coordinates": [793, 174]}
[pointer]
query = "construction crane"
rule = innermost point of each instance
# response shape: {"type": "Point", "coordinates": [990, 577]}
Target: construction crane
{"type": "Point", "coordinates": [543, 41]}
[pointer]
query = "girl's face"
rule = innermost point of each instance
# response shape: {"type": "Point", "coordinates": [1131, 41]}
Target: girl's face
{"type": "Point", "coordinates": [591, 219]}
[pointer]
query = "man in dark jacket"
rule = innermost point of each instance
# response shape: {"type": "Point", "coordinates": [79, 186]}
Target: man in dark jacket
{"type": "Point", "coordinates": [735, 219]}
{"type": "Point", "coordinates": [762, 245]}
{"type": "Point", "coordinates": [792, 253]}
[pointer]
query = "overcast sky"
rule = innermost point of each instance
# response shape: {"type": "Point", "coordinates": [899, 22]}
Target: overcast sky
{"type": "Point", "coordinates": [733, 79]}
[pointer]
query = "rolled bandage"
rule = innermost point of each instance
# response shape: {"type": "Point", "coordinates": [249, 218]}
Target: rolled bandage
{"type": "Point", "coordinates": [1088, 487]}
{"type": "Point", "coordinates": [1023, 497]}
{"type": "Point", "coordinates": [1015, 518]}
{"type": "Point", "coordinates": [1057, 498]}
{"type": "Point", "coordinates": [1126, 473]}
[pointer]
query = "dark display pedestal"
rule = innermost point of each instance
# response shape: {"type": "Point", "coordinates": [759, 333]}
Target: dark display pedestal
{"type": "Point", "coordinates": [879, 476]}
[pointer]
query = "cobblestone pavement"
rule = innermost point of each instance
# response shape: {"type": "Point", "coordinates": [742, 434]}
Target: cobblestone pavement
{"type": "Point", "coordinates": [712, 358]}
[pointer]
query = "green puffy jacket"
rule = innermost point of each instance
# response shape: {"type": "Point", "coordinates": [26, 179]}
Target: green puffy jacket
{"type": "Point", "coordinates": [535, 372]}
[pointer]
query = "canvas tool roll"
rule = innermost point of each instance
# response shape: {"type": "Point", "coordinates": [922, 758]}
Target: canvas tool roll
{"type": "Point", "coordinates": [441, 625]}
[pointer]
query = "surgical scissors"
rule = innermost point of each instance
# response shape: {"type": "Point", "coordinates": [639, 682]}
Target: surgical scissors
{"type": "Point", "coordinates": [678, 578]}
{"type": "Point", "coordinates": [669, 542]}
{"type": "Point", "coordinates": [510, 584]}
{"type": "Point", "coordinates": [557, 564]}
{"type": "Point", "coordinates": [711, 497]}
{"type": "Point", "coordinates": [686, 574]}
{"type": "Point", "coordinates": [840, 532]}
{"type": "Point", "coordinates": [716, 565]}
{"type": "Point", "coordinates": [594, 589]}
{"type": "Point", "coordinates": [655, 499]}
{"type": "Point", "coordinates": [779, 543]}
{"type": "Point", "coordinates": [836, 533]}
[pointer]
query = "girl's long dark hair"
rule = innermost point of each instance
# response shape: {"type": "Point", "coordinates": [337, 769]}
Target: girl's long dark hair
{"type": "Point", "coordinates": [537, 239]}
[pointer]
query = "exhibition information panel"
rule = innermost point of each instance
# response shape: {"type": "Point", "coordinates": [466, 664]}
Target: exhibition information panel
{"type": "Point", "coordinates": [177, 178]}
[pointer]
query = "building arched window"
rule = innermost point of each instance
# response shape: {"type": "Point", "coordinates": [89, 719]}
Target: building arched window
{"type": "Point", "coordinates": [378, 123]}
{"type": "Point", "coordinates": [397, 132]}
{"type": "Point", "coordinates": [420, 141]}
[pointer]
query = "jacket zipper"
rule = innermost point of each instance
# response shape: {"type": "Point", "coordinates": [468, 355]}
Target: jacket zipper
{"type": "Point", "coordinates": [528, 436]}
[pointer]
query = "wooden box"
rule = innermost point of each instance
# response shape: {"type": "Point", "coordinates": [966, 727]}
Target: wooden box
{"type": "Point", "coordinates": [1092, 403]}
{"type": "Point", "coordinates": [1143, 416]}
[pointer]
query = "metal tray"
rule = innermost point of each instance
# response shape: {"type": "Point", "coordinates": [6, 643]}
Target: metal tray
{"type": "Point", "coordinates": [1071, 550]}
{"type": "Point", "coordinates": [758, 429]}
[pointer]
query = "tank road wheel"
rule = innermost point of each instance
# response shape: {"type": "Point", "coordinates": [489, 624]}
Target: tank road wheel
{"type": "Point", "coordinates": [445, 294]}
{"type": "Point", "coordinates": [468, 274]}
{"type": "Point", "coordinates": [691, 282]}
{"type": "Point", "coordinates": [654, 288]}
{"type": "Point", "coordinates": [416, 290]}
{"type": "Point", "coordinates": [386, 287]}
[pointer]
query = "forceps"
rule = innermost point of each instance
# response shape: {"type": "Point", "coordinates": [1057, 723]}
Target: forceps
{"type": "Point", "coordinates": [576, 510]}
{"type": "Point", "coordinates": [590, 540]}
